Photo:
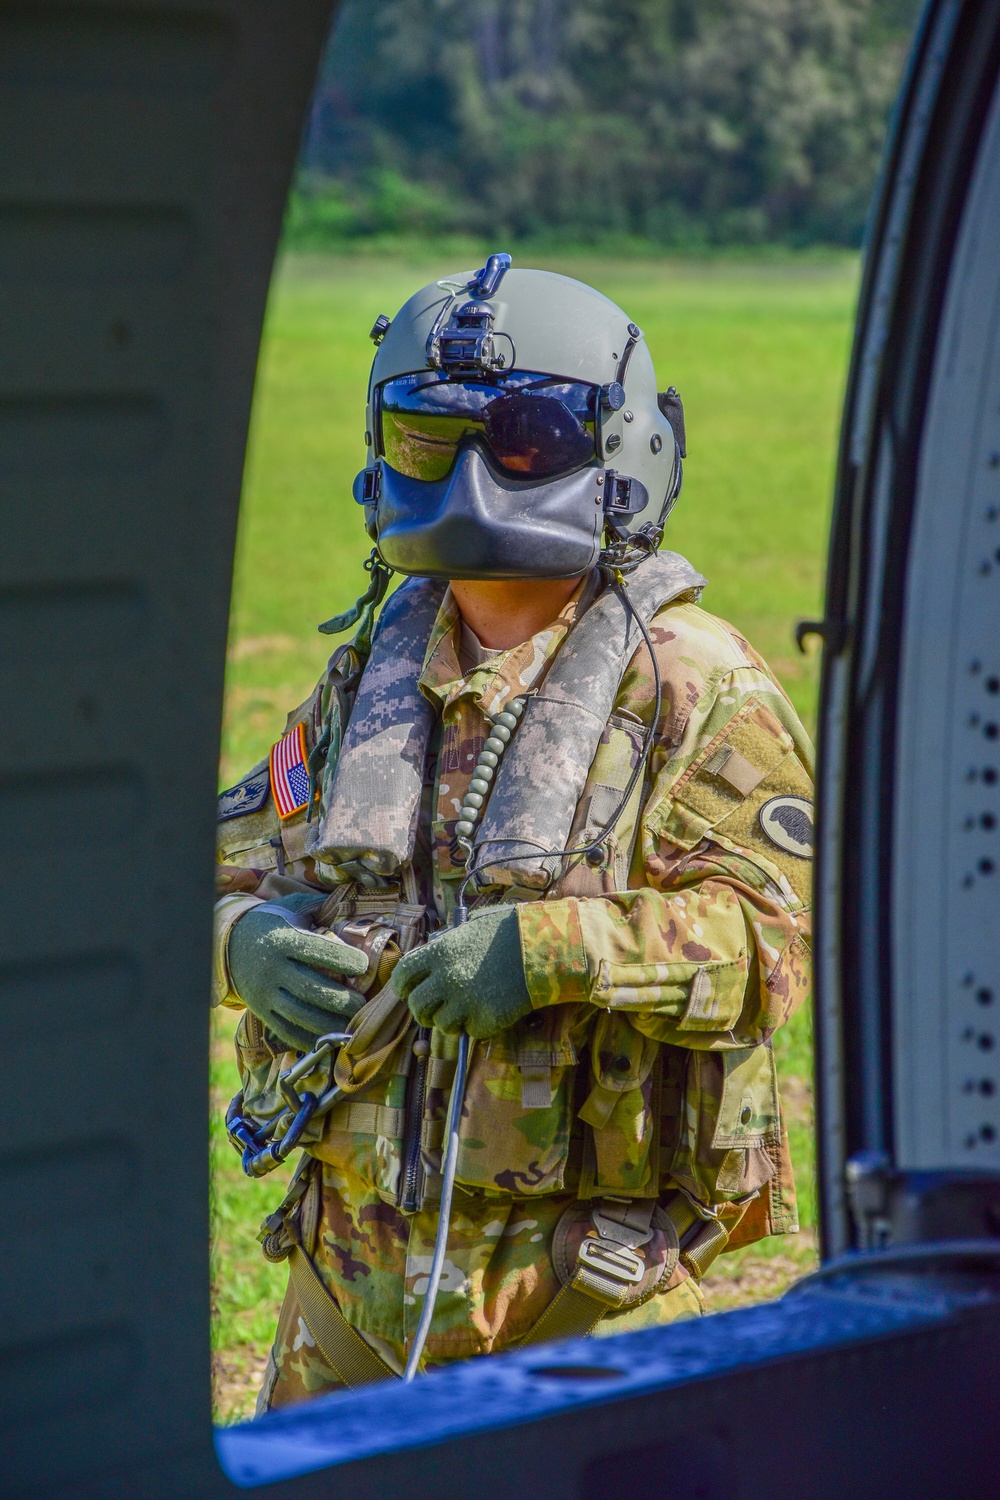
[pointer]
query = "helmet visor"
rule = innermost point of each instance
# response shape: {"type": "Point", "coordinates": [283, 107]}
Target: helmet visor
{"type": "Point", "coordinates": [533, 426]}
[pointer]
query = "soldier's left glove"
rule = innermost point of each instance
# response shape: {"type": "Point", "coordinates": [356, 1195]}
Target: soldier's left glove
{"type": "Point", "coordinates": [469, 978]}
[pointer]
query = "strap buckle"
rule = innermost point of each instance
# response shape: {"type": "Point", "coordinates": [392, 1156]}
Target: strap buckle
{"type": "Point", "coordinates": [620, 1233]}
{"type": "Point", "coordinates": [620, 1262]}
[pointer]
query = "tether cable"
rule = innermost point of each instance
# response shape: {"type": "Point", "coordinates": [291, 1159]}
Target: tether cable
{"type": "Point", "coordinates": [448, 1168]}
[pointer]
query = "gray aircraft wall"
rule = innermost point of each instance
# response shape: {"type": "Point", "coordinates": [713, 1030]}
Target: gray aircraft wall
{"type": "Point", "coordinates": [145, 152]}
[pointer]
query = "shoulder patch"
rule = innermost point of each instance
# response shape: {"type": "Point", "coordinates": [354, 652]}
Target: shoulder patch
{"type": "Point", "coordinates": [289, 777]}
{"type": "Point", "coordinates": [788, 823]}
{"type": "Point", "coordinates": [247, 796]}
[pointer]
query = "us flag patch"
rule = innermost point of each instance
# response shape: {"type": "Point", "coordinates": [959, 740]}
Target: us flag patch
{"type": "Point", "coordinates": [289, 777]}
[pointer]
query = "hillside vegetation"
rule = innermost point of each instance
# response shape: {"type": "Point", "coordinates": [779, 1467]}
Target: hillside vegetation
{"type": "Point", "coordinates": [680, 123]}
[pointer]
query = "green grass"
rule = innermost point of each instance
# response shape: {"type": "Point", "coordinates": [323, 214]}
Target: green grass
{"type": "Point", "coordinates": [246, 1289]}
{"type": "Point", "coordinates": [759, 353]}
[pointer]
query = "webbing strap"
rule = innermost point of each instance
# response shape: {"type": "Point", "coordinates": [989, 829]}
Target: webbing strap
{"type": "Point", "coordinates": [343, 1348]}
{"type": "Point", "coordinates": [572, 1314]}
{"type": "Point", "coordinates": [709, 1243]}
{"type": "Point", "coordinates": [362, 1118]}
{"type": "Point", "coordinates": [579, 1306]}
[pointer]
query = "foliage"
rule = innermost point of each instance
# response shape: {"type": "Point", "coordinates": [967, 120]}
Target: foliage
{"type": "Point", "coordinates": [679, 122]}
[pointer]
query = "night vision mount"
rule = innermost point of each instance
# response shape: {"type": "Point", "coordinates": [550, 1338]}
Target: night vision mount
{"type": "Point", "coordinates": [466, 343]}
{"type": "Point", "coordinates": [467, 346]}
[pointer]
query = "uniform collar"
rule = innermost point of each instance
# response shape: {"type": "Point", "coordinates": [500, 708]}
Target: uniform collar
{"type": "Point", "coordinates": [494, 682]}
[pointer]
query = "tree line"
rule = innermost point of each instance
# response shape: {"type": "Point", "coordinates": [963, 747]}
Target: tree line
{"type": "Point", "coordinates": [683, 123]}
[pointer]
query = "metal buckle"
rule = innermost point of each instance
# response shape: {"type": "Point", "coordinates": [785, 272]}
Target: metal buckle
{"type": "Point", "coordinates": [621, 1234]}
{"type": "Point", "coordinates": [617, 1261]}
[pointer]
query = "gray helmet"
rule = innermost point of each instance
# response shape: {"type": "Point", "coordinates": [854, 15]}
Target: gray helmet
{"type": "Point", "coordinates": [515, 431]}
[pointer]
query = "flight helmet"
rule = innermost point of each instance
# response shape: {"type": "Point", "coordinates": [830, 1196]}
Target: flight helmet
{"type": "Point", "coordinates": [515, 430]}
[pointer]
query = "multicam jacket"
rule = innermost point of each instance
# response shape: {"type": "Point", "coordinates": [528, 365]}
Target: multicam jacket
{"type": "Point", "coordinates": [657, 980]}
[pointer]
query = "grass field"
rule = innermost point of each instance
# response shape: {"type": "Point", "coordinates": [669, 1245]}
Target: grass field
{"type": "Point", "coordinates": [759, 354]}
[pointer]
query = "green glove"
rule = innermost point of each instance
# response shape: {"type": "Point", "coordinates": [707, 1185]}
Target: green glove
{"type": "Point", "coordinates": [281, 968]}
{"type": "Point", "coordinates": [468, 978]}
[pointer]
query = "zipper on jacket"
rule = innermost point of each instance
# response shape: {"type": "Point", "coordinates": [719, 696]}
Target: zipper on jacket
{"type": "Point", "coordinates": [411, 1179]}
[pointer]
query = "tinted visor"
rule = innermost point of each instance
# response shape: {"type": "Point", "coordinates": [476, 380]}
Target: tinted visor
{"type": "Point", "coordinates": [533, 426]}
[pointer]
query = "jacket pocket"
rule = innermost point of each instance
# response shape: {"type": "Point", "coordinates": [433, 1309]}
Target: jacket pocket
{"type": "Point", "coordinates": [515, 1131]}
{"type": "Point", "coordinates": [729, 1124]}
{"type": "Point", "coordinates": [621, 1109]}
{"type": "Point", "coordinates": [362, 1136]}
{"type": "Point", "coordinates": [704, 997]}
{"type": "Point", "coordinates": [748, 1113]}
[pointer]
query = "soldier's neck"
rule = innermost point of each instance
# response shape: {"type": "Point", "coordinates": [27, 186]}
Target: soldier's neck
{"type": "Point", "coordinates": [505, 612]}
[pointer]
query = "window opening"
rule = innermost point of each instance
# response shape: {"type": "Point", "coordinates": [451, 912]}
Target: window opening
{"type": "Point", "coordinates": [758, 346]}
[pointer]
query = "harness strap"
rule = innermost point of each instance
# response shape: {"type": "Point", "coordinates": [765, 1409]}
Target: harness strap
{"type": "Point", "coordinates": [608, 1268]}
{"type": "Point", "coordinates": [700, 1252]}
{"type": "Point", "coordinates": [343, 1348]}
{"type": "Point", "coordinates": [362, 1118]}
{"type": "Point", "coordinates": [573, 1314]}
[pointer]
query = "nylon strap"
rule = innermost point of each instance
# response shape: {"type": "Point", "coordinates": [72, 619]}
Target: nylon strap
{"type": "Point", "coordinates": [699, 1255]}
{"type": "Point", "coordinates": [343, 1348]}
{"type": "Point", "coordinates": [579, 1306]}
{"type": "Point", "coordinates": [361, 1118]}
{"type": "Point", "coordinates": [572, 1314]}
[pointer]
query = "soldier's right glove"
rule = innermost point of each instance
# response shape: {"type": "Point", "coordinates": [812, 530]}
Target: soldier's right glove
{"type": "Point", "coordinates": [468, 978]}
{"type": "Point", "coordinates": [285, 972]}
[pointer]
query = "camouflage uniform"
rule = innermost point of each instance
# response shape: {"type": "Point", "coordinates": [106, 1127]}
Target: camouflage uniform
{"type": "Point", "coordinates": [657, 981]}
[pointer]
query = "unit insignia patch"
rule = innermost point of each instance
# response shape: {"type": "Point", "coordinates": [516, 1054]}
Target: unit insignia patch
{"type": "Point", "coordinates": [788, 823]}
{"type": "Point", "coordinates": [245, 797]}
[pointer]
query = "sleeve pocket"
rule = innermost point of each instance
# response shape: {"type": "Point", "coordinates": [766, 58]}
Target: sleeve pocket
{"type": "Point", "coordinates": [729, 770]}
{"type": "Point", "coordinates": [706, 997]}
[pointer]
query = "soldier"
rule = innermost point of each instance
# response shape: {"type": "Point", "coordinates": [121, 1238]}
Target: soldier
{"type": "Point", "coordinates": [547, 731]}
